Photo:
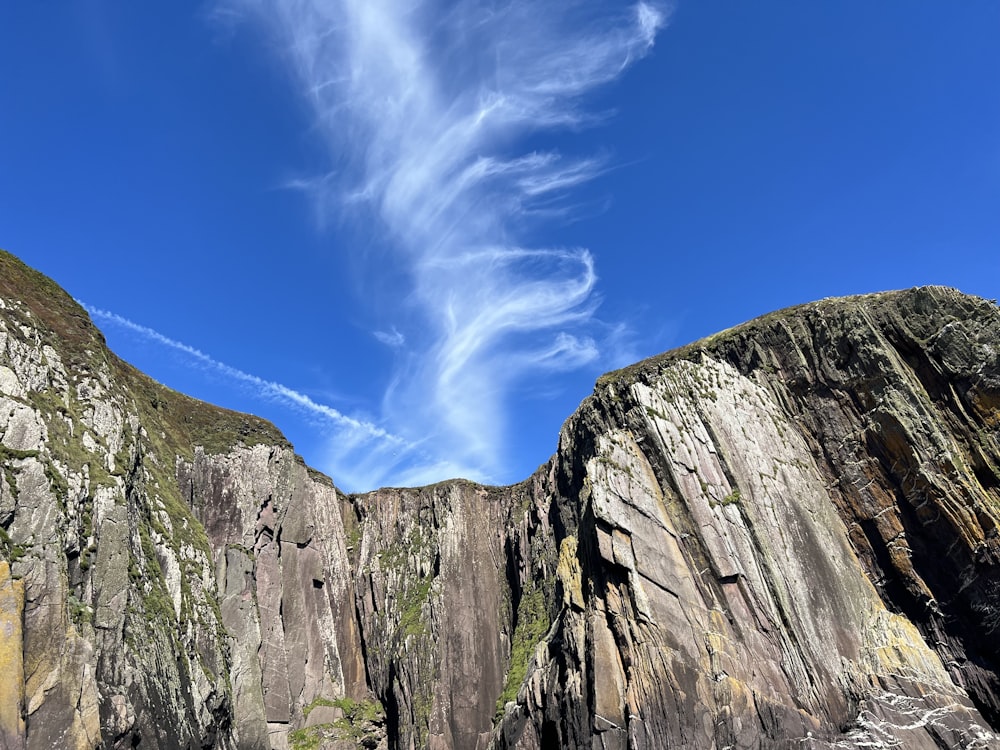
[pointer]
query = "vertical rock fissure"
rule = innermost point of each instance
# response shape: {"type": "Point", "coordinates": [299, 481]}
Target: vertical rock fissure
{"type": "Point", "coordinates": [786, 534]}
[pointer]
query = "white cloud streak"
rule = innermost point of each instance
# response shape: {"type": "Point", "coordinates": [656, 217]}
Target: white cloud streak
{"type": "Point", "coordinates": [362, 454]}
{"type": "Point", "coordinates": [392, 338]}
{"type": "Point", "coordinates": [422, 105]}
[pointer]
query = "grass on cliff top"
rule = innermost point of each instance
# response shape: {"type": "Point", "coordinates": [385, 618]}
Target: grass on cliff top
{"type": "Point", "coordinates": [937, 296]}
{"type": "Point", "coordinates": [188, 422]}
{"type": "Point", "coordinates": [185, 421]}
{"type": "Point", "coordinates": [54, 308]}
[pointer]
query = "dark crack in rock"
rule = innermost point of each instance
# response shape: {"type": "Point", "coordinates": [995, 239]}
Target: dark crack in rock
{"type": "Point", "coordinates": [783, 536]}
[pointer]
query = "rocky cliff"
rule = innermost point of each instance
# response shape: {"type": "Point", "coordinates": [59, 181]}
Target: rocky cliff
{"type": "Point", "coordinates": [784, 536]}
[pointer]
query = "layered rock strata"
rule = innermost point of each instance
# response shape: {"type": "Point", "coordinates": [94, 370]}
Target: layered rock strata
{"type": "Point", "coordinates": [784, 536]}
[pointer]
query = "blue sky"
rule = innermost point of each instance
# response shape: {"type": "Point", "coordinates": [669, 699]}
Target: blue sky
{"type": "Point", "coordinates": [412, 234]}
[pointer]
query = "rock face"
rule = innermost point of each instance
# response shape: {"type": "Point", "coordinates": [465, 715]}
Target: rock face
{"type": "Point", "coordinates": [784, 536]}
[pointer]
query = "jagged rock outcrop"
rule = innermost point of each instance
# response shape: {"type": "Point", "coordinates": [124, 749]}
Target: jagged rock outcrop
{"type": "Point", "coordinates": [783, 536]}
{"type": "Point", "coordinates": [178, 578]}
{"type": "Point", "coordinates": [790, 537]}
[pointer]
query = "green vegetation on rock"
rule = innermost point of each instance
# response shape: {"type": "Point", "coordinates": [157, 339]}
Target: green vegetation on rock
{"type": "Point", "coordinates": [732, 498]}
{"type": "Point", "coordinates": [362, 724]}
{"type": "Point", "coordinates": [12, 551]}
{"type": "Point", "coordinates": [532, 622]}
{"type": "Point", "coordinates": [411, 621]}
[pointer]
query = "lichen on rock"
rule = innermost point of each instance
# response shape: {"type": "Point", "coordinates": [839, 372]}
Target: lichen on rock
{"type": "Point", "coordinates": [785, 535]}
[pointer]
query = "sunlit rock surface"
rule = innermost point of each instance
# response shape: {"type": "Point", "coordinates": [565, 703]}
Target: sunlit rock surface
{"type": "Point", "coordinates": [784, 536]}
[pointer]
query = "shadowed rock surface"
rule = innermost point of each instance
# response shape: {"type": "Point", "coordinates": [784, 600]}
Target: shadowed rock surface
{"type": "Point", "coordinates": [783, 536]}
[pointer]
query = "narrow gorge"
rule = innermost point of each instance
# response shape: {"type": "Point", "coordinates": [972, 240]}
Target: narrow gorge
{"type": "Point", "coordinates": [782, 536]}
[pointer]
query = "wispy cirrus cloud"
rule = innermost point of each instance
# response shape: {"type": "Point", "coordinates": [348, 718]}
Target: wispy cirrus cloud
{"type": "Point", "coordinates": [424, 107]}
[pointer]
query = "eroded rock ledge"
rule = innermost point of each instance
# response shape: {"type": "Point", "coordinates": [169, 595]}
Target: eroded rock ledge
{"type": "Point", "coordinates": [784, 536]}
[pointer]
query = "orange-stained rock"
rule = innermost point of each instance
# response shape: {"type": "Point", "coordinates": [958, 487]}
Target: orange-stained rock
{"type": "Point", "coordinates": [11, 663]}
{"type": "Point", "coordinates": [783, 536]}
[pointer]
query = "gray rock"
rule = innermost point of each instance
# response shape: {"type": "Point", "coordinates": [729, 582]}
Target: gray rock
{"type": "Point", "coordinates": [784, 536]}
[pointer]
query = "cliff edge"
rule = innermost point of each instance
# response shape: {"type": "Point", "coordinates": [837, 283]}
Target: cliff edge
{"type": "Point", "coordinates": [783, 536]}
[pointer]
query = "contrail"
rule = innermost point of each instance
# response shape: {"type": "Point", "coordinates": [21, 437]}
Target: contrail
{"type": "Point", "coordinates": [265, 388]}
{"type": "Point", "coordinates": [360, 455]}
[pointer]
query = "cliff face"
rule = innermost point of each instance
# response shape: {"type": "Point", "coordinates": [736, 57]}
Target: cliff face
{"type": "Point", "coordinates": [788, 536]}
{"type": "Point", "coordinates": [782, 536]}
{"type": "Point", "coordinates": [173, 576]}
